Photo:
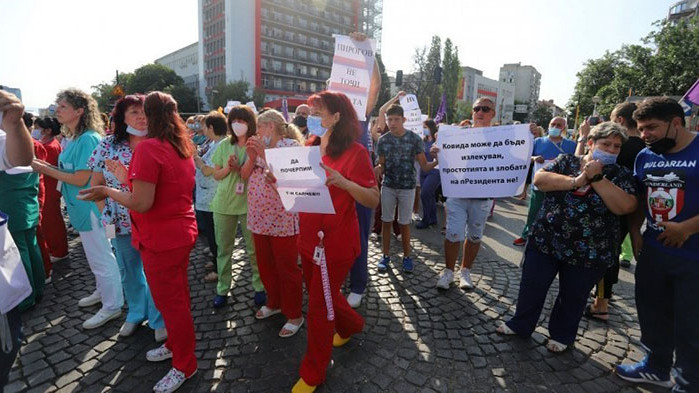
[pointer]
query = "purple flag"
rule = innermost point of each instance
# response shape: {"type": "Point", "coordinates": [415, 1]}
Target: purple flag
{"type": "Point", "coordinates": [692, 95]}
{"type": "Point", "coordinates": [285, 109]}
{"type": "Point", "coordinates": [442, 111]}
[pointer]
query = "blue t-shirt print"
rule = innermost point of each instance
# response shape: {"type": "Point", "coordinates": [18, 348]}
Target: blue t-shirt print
{"type": "Point", "coordinates": [669, 185]}
{"type": "Point", "coordinates": [400, 155]}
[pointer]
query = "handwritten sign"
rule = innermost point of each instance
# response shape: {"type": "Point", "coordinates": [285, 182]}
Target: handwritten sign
{"type": "Point", "coordinates": [412, 113]}
{"type": "Point", "coordinates": [353, 64]}
{"type": "Point", "coordinates": [488, 162]}
{"type": "Point", "coordinates": [300, 179]}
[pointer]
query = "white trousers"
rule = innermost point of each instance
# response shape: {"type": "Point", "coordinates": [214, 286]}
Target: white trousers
{"type": "Point", "coordinates": [103, 265]}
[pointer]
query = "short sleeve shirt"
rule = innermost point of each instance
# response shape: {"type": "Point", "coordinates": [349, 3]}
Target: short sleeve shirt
{"type": "Point", "coordinates": [206, 185]}
{"type": "Point", "coordinates": [226, 200]}
{"type": "Point", "coordinates": [341, 230]}
{"type": "Point", "coordinates": [545, 147]}
{"type": "Point", "coordinates": [4, 161]}
{"type": "Point", "coordinates": [400, 155]}
{"type": "Point", "coordinates": [113, 213]}
{"type": "Point", "coordinates": [75, 157]}
{"type": "Point", "coordinates": [170, 222]}
{"type": "Point", "coordinates": [21, 196]}
{"type": "Point", "coordinates": [669, 185]}
{"type": "Point", "coordinates": [53, 150]}
{"type": "Point", "coordinates": [266, 213]}
{"type": "Point", "coordinates": [576, 226]}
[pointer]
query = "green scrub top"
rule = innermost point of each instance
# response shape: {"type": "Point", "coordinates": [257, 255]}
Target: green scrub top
{"type": "Point", "coordinates": [18, 200]}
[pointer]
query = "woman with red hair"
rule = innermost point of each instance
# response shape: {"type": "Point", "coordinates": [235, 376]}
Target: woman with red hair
{"type": "Point", "coordinates": [164, 228]}
{"type": "Point", "coordinates": [333, 238]}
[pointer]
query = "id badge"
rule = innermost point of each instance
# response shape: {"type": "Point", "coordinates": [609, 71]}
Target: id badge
{"type": "Point", "coordinates": [59, 185]}
{"type": "Point", "coordinates": [318, 255]}
{"type": "Point", "coordinates": [110, 229]}
{"type": "Point", "coordinates": [240, 188]}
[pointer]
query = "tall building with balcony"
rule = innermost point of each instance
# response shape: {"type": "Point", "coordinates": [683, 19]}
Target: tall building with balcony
{"type": "Point", "coordinates": [185, 63]}
{"type": "Point", "coordinates": [684, 9]}
{"type": "Point", "coordinates": [527, 81]}
{"type": "Point", "coordinates": [284, 47]}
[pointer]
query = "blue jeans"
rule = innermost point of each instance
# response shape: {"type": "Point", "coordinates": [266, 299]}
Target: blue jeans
{"type": "Point", "coordinates": [359, 274]}
{"type": "Point", "coordinates": [133, 279]}
{"type": "Point", "coordinates": [667, 299]}
{"type": "Point", "coordinates": [575, 283]}
{"type": "Point", "coordinates": [429, 182]}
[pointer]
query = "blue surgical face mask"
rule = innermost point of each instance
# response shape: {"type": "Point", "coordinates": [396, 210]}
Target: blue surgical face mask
{"type": "Point", "coordinates": [554, 132]}
{"type": "Point", "coordinates": [315, 127]}
{"type": "Point", "coordinates": [136, 132]}
{"type": "Point", "coordinates": [604, 157]}
{"type": "Point", "coordinates": [426, 131]}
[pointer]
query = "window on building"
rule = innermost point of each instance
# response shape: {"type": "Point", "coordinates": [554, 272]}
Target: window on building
{"type": "Point", "coordinates": [302, 54]}
{"type": "Point", "coordinates": [314, 57]}
{"type": "Point", "coordinates": [303, 86]}
{"type": "Point", "coordinates": [314, 71]}
{"type": "Point", "coordinates": [302, 38]}
{"type": "Point", "coordinates": [290, 68]}
{"type": "Point", "coordinates": [303, 70]}
{"type": "Point", "coordinates": [277, 83]}
{"type": "Point", "coordinates": [303, 22]}
{"type": "Point", "coordinates": [314, 41]}
{"type": "Point", "coordinates": [263, 64]}
{"type": "Point", "coordinates": [325, 59]}
{"type": "Point", "coordinates": [289, 85]}
{"type": "Point", "coordinates": [277, 65]}
{"type": "Point", "coordinates": [289, 51]}
{"type": "Point", "coordinates": [289, 19]}
{"type": "Point", "coordinates": [314, 87]}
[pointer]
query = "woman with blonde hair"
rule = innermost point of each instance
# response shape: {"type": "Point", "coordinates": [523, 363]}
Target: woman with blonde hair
{"type": "Point", "coordinates": [77, 112]}
{"type": "Point", "coordinates": [275, 230]}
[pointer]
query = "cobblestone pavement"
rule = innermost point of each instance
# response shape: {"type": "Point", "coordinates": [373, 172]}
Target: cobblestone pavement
{"type": "Point", "coordinates": [416, 339]}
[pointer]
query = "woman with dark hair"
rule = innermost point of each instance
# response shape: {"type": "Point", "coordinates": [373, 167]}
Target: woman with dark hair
{"type": "Point", "coordinates": [335, 238]}
{"type": "Point", "coordinates": [430, 180]}
{"type": "Point", "coordinates": [164, 228]}
{"type": "Point", "coordinates": [230, 204]}
{"type": "Point", "coordinates": [52, 224]}
{"type": "Point", "coordinates": [77, 112]}
{"type": "Point", "coordinates": [130, 129]}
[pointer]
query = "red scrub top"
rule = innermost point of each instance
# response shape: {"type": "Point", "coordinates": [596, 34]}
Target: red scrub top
{"type": "Point", "coordinates": [40, 153]}
{"type": "Point", "coordinates": [341, 230]}
{"type": "Point", "coordinates": [53, 149]}
{"type": "Point", "coordinates": [170, 222]}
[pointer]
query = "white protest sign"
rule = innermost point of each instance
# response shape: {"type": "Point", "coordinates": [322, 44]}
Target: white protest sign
{"type": "Point", "coordinates": [229, 105]}
{"type": "Point", "coordinates": [353, 64]}
{"type": "Point", "coordinates": [300, 179]}
{"type": "Point", "coordinates": [251, 105]}
{"type": "Point", "coordinates": [412, 114]}
{"type": "Point", "coordinates": [488, 162]}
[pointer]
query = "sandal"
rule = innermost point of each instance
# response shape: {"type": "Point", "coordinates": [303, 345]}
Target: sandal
{"type": "Point", "coordinates": [291, 328]}
{"type": "Point", "coordinates": [597, 315]}
{"type": "Point", "coordinates": [505, 330]}
{"type": "Point", "coordinates": [555, 347]}
{"type": "Point", "coordinates": [265, 312]}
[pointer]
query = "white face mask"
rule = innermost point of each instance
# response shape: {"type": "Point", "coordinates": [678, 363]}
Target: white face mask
{"type": "Point", "coordinates": [36, 134]}
{"type": "Point", "coordinates": [239, 129]}
{"type": "Point", "coordinates": [136, 132]}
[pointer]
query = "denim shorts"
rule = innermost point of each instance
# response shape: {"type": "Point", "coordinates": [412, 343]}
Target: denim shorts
{"type": "Point", "coordinates": [466, 218]}
{"type": "Point", "coordinates": [392, 197]}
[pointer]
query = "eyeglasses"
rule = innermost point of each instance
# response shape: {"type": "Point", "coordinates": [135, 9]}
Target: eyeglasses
{"type": "Point", "coordinates": [484, 109]}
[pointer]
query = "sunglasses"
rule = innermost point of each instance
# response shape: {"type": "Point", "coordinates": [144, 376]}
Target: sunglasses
{"type": "Point", "coordinates": [483, 109]}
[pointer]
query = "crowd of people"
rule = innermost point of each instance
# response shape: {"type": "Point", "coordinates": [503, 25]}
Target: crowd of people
{"type": "Point", "coordinates": [141, 189]}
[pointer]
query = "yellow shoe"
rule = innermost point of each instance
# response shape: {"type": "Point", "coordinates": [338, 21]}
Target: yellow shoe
{"type": "Point", "coordinates": [302, 387]}
{"type": "Point", "coordinates": [339, 341]}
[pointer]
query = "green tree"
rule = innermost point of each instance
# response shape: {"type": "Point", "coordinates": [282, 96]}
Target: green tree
{"type": "Point", "coordinates": [186, 98]}
{"type": "Point", "coordinates": [259, 97]}
{"type": "Point", "coordinates": [102, 93]}
{"type": "Point", "coordinates": [462, 111]}
{"type": "Point", "coordinates": [541, 115]}
{"type": "Point", "coordinates": [236, 91]}
{"type": "Point", "coordinates": [422, 82]}
{"type": "Point", "coordinates": [152, 77]}
{"type": "Point", "coordinates": [385, 92]}
{"type": "Point", "coordinates": [451, 75]}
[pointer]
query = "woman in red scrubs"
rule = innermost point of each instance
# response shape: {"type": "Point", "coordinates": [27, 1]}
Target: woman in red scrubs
{"type": "Point", "coordinates": [164, 228]}
{"type": "Point", "coordinates": [331, 321]}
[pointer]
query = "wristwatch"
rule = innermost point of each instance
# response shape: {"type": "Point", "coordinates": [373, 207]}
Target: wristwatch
{"type": "Point", "coordinates": [582, 139]}
{"type": "Point", "coordinates": [597, 178]}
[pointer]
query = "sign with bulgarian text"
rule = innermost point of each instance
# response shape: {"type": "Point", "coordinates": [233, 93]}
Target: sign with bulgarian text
{"type": "Point", "coordinates": [487, 162]}
{"type": "Point", "coordinates": [353, 64]}
{"type": "Point", "coordinates": [412, 114]}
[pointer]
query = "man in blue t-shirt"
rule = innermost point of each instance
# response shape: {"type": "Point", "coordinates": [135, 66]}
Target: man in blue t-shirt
{"type": "Point", "coordinates": [398, 150]}
{"type": "Point", "coordinates": [546, 148]}
{"type": "Point", "coordinates": [667, 274]}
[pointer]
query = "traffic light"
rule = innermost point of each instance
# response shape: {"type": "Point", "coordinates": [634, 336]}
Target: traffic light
{"type": "Point", "coordinates": [437, 75]}
{"type": "Point", "coordinates": [399, 77]}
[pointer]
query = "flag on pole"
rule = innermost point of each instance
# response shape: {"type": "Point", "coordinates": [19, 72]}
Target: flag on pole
{"type": "Point", "coordinates": [691, 97]}
{"type": "Point", "coordinates": [442, 110]}
{"type": "Point", "coordinates": [285, 109]}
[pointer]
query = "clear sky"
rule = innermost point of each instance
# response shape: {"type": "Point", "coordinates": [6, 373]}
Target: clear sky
{"type": "Point", "coordinates": [48, 45]}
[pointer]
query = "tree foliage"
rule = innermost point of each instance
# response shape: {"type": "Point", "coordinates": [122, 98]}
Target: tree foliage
{"type": "Point", "coordinates": [235, 91]}
{"type": "Point", "coordinates": [385, 91]}
{"type": "Point", "coordinates": [666, 64]}
{"type": "Point", "coordinates": [451, 75]}
{"type": "Point", "coordinates": [541, 115]}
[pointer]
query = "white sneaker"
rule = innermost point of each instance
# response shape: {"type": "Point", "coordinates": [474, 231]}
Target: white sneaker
{"type": "Point", "coordinates": [99, 319]}
{"type": "Point", "coordinates": [127, 329]}
{"type": "Point", "coordinates": [91, 300]}
{"type": "Point", "coordinates": [354, 299]}
{"type": "Point", "coordinates": [160, 335]}
{"type": "Point", "coordinates": [466, 282]}
{"type": "Point", "coordinates": [171, 381]}
{"type": "Point", "coordinates": [159, 354]}
{"type": "Point", "coordinates": [445, 279]}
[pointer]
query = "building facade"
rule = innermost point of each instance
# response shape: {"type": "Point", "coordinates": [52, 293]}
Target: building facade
{"type": "Point", "coordinates": [527, 82]}
{"type": "Point", "coordinates": [474, 85]}
{"type": "Point", "coordinates": [284, 47]}
{"type": "Point", "coordinates": [185, 63]}
{"type": "Point", "coordinates": [684, 9]}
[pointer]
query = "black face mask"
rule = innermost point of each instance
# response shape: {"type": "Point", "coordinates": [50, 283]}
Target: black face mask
{"type": "Point", "coordinates": [662, 145]}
